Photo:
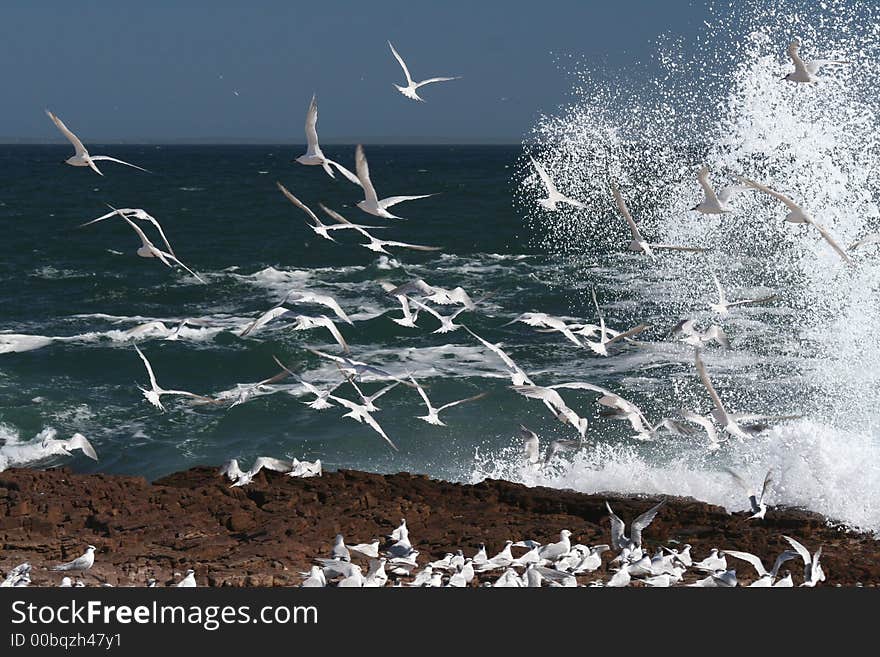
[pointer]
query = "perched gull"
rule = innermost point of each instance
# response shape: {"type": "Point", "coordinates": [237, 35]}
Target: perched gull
{"type": "Point", "coordinates": [149, 250]}
{"type": "Point", "coordinates": [315, 579]}
{"type": "Point", "coordinates": [797, 215]}
{"type": "Point", "coordinates": [134, 213]}
{"type": "Point", "coordinates": [240, 478]}
{"type": "Point", "coordinates": [725, 419]}
{"type": "Point", "coordinates": [376, 576]}
{"type": "Point", "coordinates": [399, 532]}
{"type": "Point", "coordinates": [553, 195]}
{"type": "Point", "coordinates": [813, 573]}
{"type": "Point", "coordinates": [411, 86]}
{"type": "Point", "coordinates": [713, 203]}
{"type": "Point", "coordinates": [719, 578]}
{"type": "Point", "coordinates": [339, 551]}
{"type": "Point", "coordinates": [688, 332]}
{"type": "Point", "coordinates": [375, 244]}
{"type": "Point", "coordinates": [154, 394]}
{"type": "Point", "coordinates": [619, 540]}
{"type": "Point", "coordinates": [321, 229]}
{"type": "Point", "coordinates": [371, 203]}
{"type": "Point", "coordinates": [756, 500]}
{"type": "Point", "coordinates": [723, 306]}
{"type": "Point", "coordinates": [555, 551]}
{"type": "Point", "coordinates": [765, 578]}
{"type": "Point", "coordinates": [433, 416]}
{"type": "Point", "coordinates": [81, 157]}
{"type": "Point", "coordinates": [715, 561]}
{"type": "Point", "coordinates": [638, 243]}
{"type": "Point", "coordinates": [370, 550]}
{"type": "Point", "coordinates": [313, 155]}
{"type": "Point", "coordinates": [189, 580]}
{"type": "Point", "coordinates": [305, 469]}
{"type": "Point", "coordinates": [805, 71]}
{"type": "Point", "coordinates": [79, 564]}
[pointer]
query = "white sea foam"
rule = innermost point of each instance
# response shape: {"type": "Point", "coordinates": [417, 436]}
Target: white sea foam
{"type": "Point", "coordinates": [816, 351]}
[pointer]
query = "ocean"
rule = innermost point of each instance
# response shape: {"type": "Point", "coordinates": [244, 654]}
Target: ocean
{"type": "Point", "coordinates": [68, 294]}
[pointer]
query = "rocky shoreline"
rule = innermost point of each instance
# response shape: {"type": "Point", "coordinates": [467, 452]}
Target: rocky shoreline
{"type": "Point", "coordinates": [269, 532]}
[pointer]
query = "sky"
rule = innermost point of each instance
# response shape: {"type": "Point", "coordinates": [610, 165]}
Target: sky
{"type": "Point", "coordinates": [222, 71]}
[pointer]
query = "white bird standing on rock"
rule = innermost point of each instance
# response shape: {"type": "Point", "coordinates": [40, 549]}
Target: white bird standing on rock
{"type": "Point", "coordinates": [555, 551]}
{"type": "Point", "coordinates": [553, 195]}
{"type": "Point", "coordinates": [805, 71]}
{"type": "Point", "coordinates": [189, 581]}
{"type": "Point", "coordinates": [80, 564]}
{"type": "Point", "coordinates": [81, 157]}
{"type": "Point", "coordinates": [410, 90]}
{"type": "Point", "coordinates": [715, 561]}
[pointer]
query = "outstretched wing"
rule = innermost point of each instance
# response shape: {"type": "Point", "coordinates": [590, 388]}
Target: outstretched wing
{"type": "Point", "coordinates": [113, 159]}
{"type": "Point", "coordinates": [72, 138]}
{"type": "Point", "coordinates": [624, 211]}
{"type": "Point", "coordinates": [363, 175]}
{"type": "Point", "coordinates": [312, 124]}
{"type": "Point", "coordinates": [617, 528]}
{"type": "Point", "coordinates": [751, 558]}
{"type": "Point", "coordinates": [642, 522]}
{"type": "Point", "coordinates": [400, 61]}
{"type": "Point", "coordinates": [79, 441]}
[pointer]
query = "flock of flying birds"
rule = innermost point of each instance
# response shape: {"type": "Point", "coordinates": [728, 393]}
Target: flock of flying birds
{"type": "Point", "coordinates": [555, 564]}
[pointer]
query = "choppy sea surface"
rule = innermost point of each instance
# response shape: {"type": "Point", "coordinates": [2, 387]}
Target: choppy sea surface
{"type": "Point", "coordinates": [68, 294]}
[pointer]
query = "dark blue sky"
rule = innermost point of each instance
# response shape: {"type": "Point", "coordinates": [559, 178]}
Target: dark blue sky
{"type": "Point", "coordinates": [121, 70]}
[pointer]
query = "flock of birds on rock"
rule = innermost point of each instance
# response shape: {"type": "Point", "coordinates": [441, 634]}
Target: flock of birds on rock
{"type": "Point", "coordinates": [555, 564]}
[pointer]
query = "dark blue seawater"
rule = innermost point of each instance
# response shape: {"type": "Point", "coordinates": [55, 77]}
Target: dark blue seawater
{"type": "Point", "coordinates": [82, 287]}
